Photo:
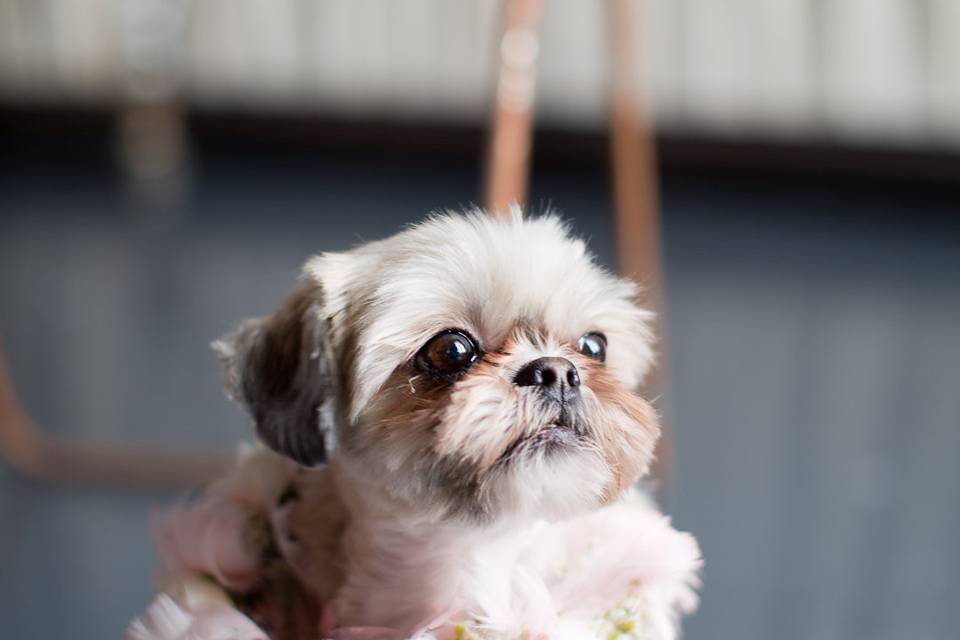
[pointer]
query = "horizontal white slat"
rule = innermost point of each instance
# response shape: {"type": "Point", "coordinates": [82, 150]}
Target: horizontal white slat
{"type": "Point", "coordinates": [877, 71]}
{"type": "Point", "coordinates": [872, 69]}
{"type": "Point", "coordinates": [943, 82]}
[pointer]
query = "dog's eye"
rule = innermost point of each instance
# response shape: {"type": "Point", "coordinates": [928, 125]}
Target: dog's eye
{"type": "Point", "coordinates": [593, 345]}
{"type": "Point", "coordinates": [447, 354]}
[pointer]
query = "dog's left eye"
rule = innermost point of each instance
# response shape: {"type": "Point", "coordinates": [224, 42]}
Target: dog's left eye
{"type": "Point", "coordinates": [447, 354]}
{"type": "Point", "coordinates": [593, 345]}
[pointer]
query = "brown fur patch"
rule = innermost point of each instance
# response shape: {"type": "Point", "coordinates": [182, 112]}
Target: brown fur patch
{"type": "Point", "coordinates": [282, 344]}
{"type": "Point", "coordinates": [628, 432]}
{"type": "Point", "coordinates": [279, 368]}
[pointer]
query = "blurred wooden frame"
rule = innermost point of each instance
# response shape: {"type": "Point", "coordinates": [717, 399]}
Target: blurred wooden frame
{"type": "Point", "coordinates": [632, 155]}
{"type": "Point", "coordinates": [55, 459]}
{"type": "Point", "coordinates": [50, 458]}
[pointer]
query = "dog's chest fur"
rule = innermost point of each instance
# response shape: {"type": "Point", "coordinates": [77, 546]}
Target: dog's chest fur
{"type": "Point", "coordinates": [379, 565]}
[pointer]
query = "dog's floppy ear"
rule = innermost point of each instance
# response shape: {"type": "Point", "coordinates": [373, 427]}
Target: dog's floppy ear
{"type": "Point", "coordinates": [280, 368]}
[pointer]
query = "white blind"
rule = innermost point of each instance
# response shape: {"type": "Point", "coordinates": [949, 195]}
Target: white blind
{"type": "Point", "coordinates": [876, 71]}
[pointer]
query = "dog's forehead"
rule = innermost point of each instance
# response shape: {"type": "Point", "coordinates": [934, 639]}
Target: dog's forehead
{"type": "Point", "coordinates": [486, 275]}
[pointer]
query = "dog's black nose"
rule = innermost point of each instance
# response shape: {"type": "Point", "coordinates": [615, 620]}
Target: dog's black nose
{"type": "Point", "coordinates": [549, 373]}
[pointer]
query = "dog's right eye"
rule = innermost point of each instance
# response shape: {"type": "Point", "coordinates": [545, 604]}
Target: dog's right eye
{"type": "Point", "coordinates": [447, 354]}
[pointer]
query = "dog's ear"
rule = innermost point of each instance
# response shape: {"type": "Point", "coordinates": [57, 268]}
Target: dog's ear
{"type": "Point", "coordinates": [281, 369]}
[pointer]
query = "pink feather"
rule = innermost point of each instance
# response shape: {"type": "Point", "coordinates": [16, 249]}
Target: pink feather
{"type": "Point", "coordinates": [209, 537]}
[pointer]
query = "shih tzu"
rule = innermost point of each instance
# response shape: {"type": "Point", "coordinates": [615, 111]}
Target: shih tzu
{"type": "Point", "coordinates": [459, 403]}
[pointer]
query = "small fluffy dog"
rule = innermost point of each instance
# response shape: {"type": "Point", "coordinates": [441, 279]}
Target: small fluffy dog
{"type": "Point", "coordinates": [460, 402]}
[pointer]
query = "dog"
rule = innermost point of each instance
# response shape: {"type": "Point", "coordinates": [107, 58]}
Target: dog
{"type": "Point", "coordinates": [457, 400]}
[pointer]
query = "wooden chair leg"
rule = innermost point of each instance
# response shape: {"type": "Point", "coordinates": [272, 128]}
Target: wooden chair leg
{"type": "Point", "coordinates": [637, 215]}
{"type": "Point", "coordinates": [151, 143]}
{"type": "Point", "coordinates": [508, 161]}
{"type": "Point", "coordinates": [49, 458]}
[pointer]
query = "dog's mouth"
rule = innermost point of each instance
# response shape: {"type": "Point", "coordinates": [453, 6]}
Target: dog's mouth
{"type": "Point", "coordinates": [561, 434]}
{"type": "Point", "coordinates": [555, 435]}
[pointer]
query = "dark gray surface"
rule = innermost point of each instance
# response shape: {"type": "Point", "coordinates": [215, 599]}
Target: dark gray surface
{"type": "Point", "coordinates": [814, 359]}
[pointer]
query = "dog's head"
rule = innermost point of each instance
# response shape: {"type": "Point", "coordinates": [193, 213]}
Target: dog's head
{"type": "Point", "coordinates": [474, 366]}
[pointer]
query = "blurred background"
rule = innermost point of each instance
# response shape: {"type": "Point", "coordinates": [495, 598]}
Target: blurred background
{"type": "Point", "coordinates": [166, 167]}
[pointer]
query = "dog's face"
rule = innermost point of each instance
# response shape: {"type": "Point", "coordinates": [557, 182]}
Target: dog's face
{"type": "Point", "coordinates": [477, 367]}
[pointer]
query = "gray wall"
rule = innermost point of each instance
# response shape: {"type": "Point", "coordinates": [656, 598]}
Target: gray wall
{"type": "Point", "coordinates": [815, 342]}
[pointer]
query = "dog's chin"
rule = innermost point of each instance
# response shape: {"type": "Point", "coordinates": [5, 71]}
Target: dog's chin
{"type": "Point", "coordinates": [554, 473]}
{"type": "Point", "coordinates": [556, 477]}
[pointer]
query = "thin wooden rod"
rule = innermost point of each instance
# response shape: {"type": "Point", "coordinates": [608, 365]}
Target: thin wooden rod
{"type": "Point", "coordinates": [90, 464]}
{"type": "Point", "coordinates": [508, 153]}
{"type": "Point", "coordinates": [637, 215]}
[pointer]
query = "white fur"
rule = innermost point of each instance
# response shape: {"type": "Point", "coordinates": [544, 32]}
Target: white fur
{"type": "Point", "coordinates": [424, 524]}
